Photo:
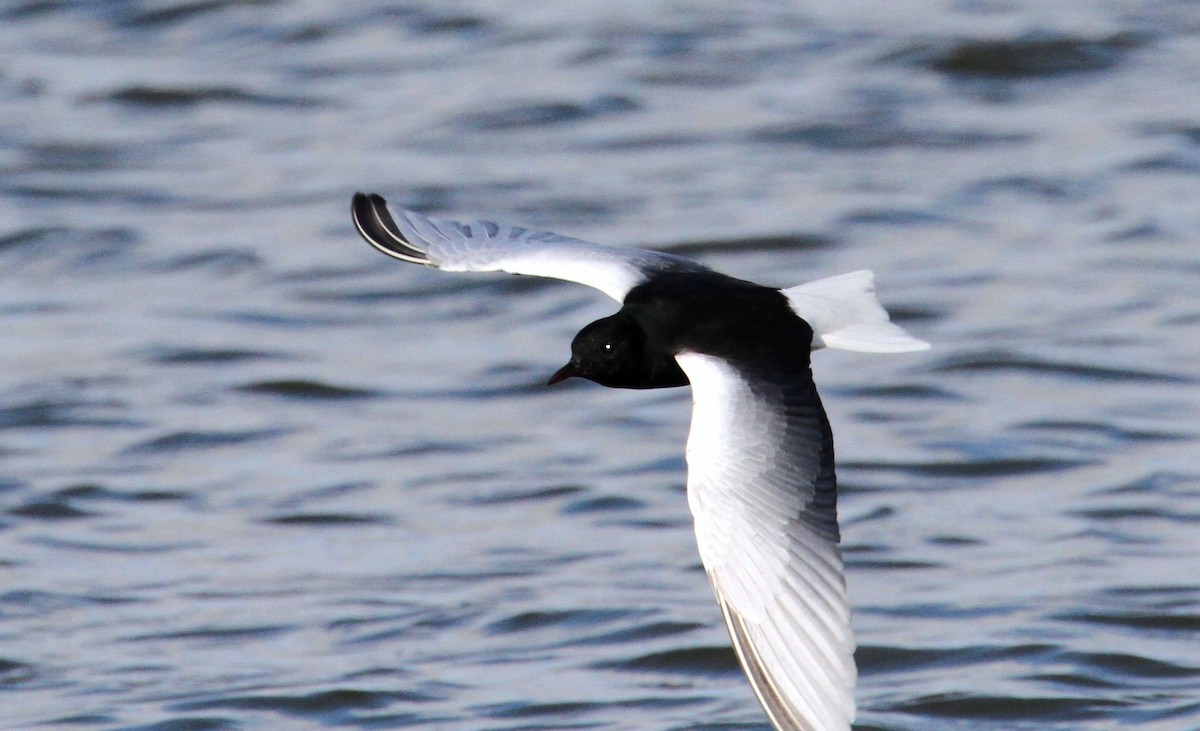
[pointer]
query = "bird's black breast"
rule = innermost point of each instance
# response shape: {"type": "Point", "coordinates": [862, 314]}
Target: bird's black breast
{"type": "Point", "coordinates": [714, 314]}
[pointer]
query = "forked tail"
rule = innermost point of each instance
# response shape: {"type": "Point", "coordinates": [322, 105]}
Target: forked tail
{"type": "Point", "coordinates": [845, 314]}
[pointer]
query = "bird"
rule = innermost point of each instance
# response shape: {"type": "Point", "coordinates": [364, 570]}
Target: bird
{"type": "Point", "coordinates": [761, 481]}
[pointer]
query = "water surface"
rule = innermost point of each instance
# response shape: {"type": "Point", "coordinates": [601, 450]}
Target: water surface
{"type": "Point", "coordinates": [254, 475]}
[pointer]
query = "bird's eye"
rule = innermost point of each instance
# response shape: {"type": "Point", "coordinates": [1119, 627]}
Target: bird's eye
{"type": "Point", "coordinates": [608, 347]}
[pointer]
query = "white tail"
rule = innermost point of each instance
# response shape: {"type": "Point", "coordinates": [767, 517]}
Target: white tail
{"type": "Point", "coordinates": [845, 314]}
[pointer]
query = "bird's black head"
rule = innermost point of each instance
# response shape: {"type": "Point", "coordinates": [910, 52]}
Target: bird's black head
{"type": "Point", "coordinates": [618, 352]}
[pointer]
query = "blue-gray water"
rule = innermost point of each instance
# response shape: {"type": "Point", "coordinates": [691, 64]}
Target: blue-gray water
{"type": "Point", "coordinates": [255, 475]}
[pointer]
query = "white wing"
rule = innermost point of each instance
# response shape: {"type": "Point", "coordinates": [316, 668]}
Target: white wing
{"type": "Point", "coordinates": [842, 310]}
{"type": "Point", "coordinates": [844, 313]}
{"type": "Point", "coordinates": [483, 246]}
{"type": "Point", "coordinates": [762, 491]}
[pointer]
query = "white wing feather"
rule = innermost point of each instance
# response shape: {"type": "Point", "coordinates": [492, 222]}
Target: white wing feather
{"type": "Point", "coordinates": [761, 490]}
{"type": "Point", "coordinates": [482, 246]}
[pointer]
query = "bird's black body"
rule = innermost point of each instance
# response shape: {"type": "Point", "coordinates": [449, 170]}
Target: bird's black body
{"type": "Point", "coordinates": [750, 326]}
{"type": "Point", "coordinates": [701, 312]}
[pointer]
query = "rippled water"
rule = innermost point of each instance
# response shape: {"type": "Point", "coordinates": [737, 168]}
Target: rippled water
{"type": "Point", "coordinates": [254, 475]}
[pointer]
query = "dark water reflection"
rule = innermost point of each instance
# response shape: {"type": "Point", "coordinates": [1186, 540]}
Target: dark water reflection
{"type": "Point", "coordinates": [254, 476]}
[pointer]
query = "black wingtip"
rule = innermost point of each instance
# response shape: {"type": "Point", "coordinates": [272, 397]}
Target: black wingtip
{"type": "Point", "coordinates": [376, 225]}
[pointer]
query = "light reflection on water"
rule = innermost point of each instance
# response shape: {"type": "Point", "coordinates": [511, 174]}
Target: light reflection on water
{"type": "Point", "coordinates": [253, 474]}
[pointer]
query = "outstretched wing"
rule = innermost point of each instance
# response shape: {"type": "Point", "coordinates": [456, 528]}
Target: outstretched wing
{"type": "Point", "coordinates": [483, 246]}
{"type": "Point", "coordinates": [762, 491]}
